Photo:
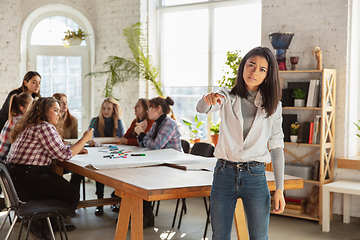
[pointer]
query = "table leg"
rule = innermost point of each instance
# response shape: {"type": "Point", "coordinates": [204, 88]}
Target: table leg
{"type": "Point", "coordinates": [326, 211]}
{"type": "Point", "coordinates": [240, 221]}
{"type": "Point", "coordinates": [123, 217]}
{"type": "Point", "coordinates": [346, 203]}
{"type": "Point", "coordinates": [136, 218]}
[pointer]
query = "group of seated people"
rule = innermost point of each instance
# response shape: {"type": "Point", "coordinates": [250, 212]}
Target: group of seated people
{"type": "Point", "coordinates": [34, 129]}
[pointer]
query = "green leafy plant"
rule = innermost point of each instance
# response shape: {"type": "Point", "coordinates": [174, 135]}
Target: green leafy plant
{"type": "Point", "coordinates": [358, 126]}
{"type": "Point", "coordinates": [194, 128]}
{"type": "Point", "coordinates": [119, 69]}
{"type": "Point", "coordinates": [233, 60]}
{"type": "Point", "coordinates": [79, 34]}
{"type": "Point", "coordinates": [294, 127]}
{"type": "Point", "coordinates": [299, 93]}
{"type": "Point", "coordinates": [214, 128]}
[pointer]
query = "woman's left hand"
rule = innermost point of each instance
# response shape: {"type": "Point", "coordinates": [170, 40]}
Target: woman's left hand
{"type": "Point", "coordinates": [117, 111]}
{"type": "Point", "coordinates": [279, 201]}
{"type": "Point", "coordinates": [138, 128]}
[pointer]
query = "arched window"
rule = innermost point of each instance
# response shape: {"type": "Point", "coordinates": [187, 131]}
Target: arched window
{"type": "Point", "coordinates": [62, 69]}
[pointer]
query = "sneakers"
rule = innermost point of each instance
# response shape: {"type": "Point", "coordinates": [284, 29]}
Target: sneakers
{"type": "Point", "coordinates": [115, 207]}
{"type": "Point", "coordinates": [99, 211]}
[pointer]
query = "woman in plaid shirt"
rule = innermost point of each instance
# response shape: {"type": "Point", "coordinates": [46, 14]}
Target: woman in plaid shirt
{"type": "Point", "coordinates": [18, 106]}
{"type": "Point", "coordinates": [35, 143]}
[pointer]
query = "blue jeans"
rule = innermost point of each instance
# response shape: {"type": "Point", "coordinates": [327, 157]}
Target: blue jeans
{"type": "Point", "coordinates": [247, 183]}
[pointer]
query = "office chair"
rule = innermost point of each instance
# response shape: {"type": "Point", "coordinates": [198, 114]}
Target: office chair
{"type": "Point", "coordinates": [203, 149]}
{"type": "Point", "coordinates": [29, 211]}
{"type": "Point", "coordinates": [185, 144]}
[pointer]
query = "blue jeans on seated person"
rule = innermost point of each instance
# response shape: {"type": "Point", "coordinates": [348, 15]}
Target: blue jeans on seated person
{"type": "Point", "coordinates": [247, 183]}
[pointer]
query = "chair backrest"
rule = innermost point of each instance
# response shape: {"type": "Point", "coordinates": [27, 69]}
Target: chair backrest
{"type": "Point", "coordinates": [203, 149]}
{"type": "Point", "coordinates": [8, 188]}
{"type": "Point", "coordinates": [185, 144]}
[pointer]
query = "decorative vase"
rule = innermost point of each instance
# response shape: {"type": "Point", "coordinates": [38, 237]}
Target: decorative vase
{"type": "Point", "coordinates": [75, 41]}
{"type": "Point", "coordinates": [214, 139]}
{"type": "Point", "coordinates": [293, 138]}
{"type": "Point", "coordinates": [281, 41]}
{"type": "Point", "coordinates": [294, 61]}
{"type": "Point", "coordinates": [299, 102]}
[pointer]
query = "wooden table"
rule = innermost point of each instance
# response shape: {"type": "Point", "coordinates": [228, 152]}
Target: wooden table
{"type": "Point", "coordinates": [160, 183]}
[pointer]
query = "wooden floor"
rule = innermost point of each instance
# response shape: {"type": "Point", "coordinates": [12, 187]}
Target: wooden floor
{"type": "Point", "coordinates": [91, 227]}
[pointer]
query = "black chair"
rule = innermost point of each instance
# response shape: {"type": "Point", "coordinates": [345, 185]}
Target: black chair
{"type": "Point", "coordinates": [185, 144]}
{"type": "Point", "coordinates": [203, 149]}
{"type": "Point", "coordinates": [32, 210]}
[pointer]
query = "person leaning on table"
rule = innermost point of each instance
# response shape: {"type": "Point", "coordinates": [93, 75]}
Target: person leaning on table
{"type": "Point", "coordinates": [35, 143]}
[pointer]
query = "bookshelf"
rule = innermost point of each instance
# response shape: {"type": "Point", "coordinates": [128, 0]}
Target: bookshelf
{"type": "Point", "coordinates": [306, 153]}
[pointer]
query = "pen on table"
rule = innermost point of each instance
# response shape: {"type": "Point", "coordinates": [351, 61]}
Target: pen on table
{"type": "Point", "coordinates": [138, 154]}
{"type": "Point", "coordinates": [93, 123]}
{"type": "Point", "coordinates": [108, 156]}
{"type": "Point", "coordinates": [127, 152]}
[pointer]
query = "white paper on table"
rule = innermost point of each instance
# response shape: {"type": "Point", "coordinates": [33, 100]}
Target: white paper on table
{"type": "Point", "coordinates": [96, 160]}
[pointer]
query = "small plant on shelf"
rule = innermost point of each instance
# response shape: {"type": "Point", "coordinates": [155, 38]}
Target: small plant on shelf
{"type": "Point", "coordinates": [299, 94]}
{"type": "Point", "coordinates": [294, 128]}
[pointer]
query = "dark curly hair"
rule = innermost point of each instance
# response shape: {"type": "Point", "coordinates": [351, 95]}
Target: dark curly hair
{"type": "Point", "coordinates": [37, 113]}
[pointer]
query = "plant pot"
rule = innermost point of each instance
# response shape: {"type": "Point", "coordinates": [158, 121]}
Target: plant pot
{"type": "Point", "coordinates": [293, 138]}
{"type": "Point", "coordinates": [192, 141]}
{"type": "Point", "coordinates": [214, 139]}
{"type": "Point", "coordinates": [299, 102]}
{"type": "Point", "coordinates": [75, 41]}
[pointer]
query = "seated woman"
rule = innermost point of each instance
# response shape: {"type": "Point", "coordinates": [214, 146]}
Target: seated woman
{"type": "Point", "coordinates": [107, 124]}
{"type": "Point", "coordinates": [130, 137]}
{"type": "Point", "coordinates": [35, 143]}
{"type": "Point", "coordinates": [163, 133]}
{"type": "Point", "coordinates": [18, 106]}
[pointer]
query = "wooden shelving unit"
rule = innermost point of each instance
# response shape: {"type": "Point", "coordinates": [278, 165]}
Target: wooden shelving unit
{"type": "Point", "coordinates": [327, 131]}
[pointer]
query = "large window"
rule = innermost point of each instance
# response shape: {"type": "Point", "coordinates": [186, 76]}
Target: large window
{"type": "Point", "coordinates": [62, 69]}
{"type": "Point", "coordinates": [195, 37]}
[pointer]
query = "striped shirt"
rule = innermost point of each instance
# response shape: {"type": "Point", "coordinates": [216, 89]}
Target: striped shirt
{"type": "Point", "coordinates": [5, 137]}
{"type": "Point", "coordinates": [38, 145]}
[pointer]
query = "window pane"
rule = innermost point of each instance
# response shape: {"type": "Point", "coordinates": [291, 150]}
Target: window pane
{"type": "Point", "coordinates": [74, 65]}
{"type": "Point", "coordinates": [245, 36]}
{"type": "Point", "coordinates": [186, 70]}
{"type": "Point", "coordinates": [45, 87]}
{"type": "Point", "coordinates": [186, 32]}
{"type": "Point", "coordinates": [43, 64]}
{"type": "Point", "coordinates": [50, 31]}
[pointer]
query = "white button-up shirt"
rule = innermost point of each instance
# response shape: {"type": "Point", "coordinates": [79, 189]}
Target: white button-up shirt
{"type": "Point", "coordinates": [263, 132]}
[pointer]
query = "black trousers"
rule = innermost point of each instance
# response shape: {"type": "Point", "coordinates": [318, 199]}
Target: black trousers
{"type": "Point", "coordinates": [39, 183]}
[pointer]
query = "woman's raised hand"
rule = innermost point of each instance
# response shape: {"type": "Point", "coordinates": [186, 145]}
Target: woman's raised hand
{"type": "Point", "coordinates": [88, 134]}
{"type": "Point", "coordinates": [117, 111]}
{"type": "Point", "coordinates": [213, 98]}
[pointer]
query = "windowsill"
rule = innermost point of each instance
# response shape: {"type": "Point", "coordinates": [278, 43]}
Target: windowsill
{"type": "Point", "coordinates": [349, 162]}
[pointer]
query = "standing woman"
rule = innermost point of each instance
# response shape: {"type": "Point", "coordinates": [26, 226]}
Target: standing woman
{"type": "Point", "coordinates": [164, 132]}
{"type": "Point", "coordinates": [31, 85]}
{"type": "Point", "coordinates": [18, 106]}
{"type": "Point", "coordinates": [140, 108]}
{"type": "Point", "coordinates": [107, 124]}
{"type": "Point", "coordinates": [70, 123]}
{"type": "Point", "coordinates": [251, 120]}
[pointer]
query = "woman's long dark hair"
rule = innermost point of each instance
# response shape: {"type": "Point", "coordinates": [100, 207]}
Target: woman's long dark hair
{"type": "Point", "coordinates": [29, 75]}
{"type": "Point", "coordinates": [270, 88]}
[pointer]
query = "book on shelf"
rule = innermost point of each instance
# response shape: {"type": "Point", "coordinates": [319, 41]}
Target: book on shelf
{"type": "Point", "coordinates": [305, 132]}
{"type": "Point", "coordinates": [311, 132]}
{"type": "Point", "coordinates": [316, 134]}
{"type": "Point", "coordinates": [313, 93]}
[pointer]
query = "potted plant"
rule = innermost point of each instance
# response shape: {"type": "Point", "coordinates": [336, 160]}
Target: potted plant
{"type": "Point", "coordinates": [214, 129]}
{"type": "Point", "coordinates": [294, 127]}
{"type": "Point", "coordinates": [233, 60]}
{"type": "Point", "coordinates": [74, 38]}
{"type": "Point", "coordinates": [120, 69]}
{"type": "Point", "coordinates": [299, 96]}
{"type": "Point", "coordinates": [194, 129]}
